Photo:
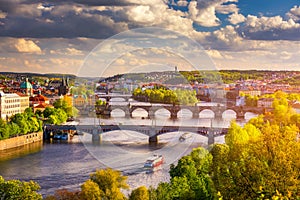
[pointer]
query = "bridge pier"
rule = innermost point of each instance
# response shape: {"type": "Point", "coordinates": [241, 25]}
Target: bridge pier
{"type": "Point", "coordinates": [128, 114]}
{"type": "Point", "coordinates": [173, 115]}
{"type": "Point", "coordinates": [196, 114]}
{"type": "Point", "coordinates": [107, 112]}
{"type": "Point", "coordinates": [218, 114]}
{"type": "Point", "coordinates": [153, 139]}
{"type": "Point", "coordinates": [151, 114]}
{"type": "Point", "coordinates": [96, 137]}
{"type": "Point", "coordinates": [240, 115]}
{"type": "Point", "coordinates": [211, 138]}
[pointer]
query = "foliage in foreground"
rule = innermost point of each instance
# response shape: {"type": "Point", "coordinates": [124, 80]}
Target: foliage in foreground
{"type": "Point", "coordinates": [104, 184]}
{"type": "Point", "coordinates": [15, 189]}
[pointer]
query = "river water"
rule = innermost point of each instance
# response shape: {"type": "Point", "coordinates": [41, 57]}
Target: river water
{"type": "Point", "coordinates": [58, 165]}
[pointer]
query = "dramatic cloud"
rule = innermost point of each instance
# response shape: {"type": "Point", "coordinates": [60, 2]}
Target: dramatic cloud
{"type": "Point", "coordinates": [270, 28]}
{"type": "Point", "coordinates": [57, 35]}
{"type": "Point", "coordinates": [19, 45]}
{"type": "Point", "coordinates": [63, 20]}
{"type": "Point", "coordinates": [204, 12]}
{"type": "Point", "coordinates": [27, 46]}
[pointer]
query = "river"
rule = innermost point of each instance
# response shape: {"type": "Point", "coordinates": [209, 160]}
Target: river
{"type": "Point", "coordinates": [58, 165]}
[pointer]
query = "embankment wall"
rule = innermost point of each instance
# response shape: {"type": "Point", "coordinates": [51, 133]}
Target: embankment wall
{"type": "Point", "coordinates": [21, 140]}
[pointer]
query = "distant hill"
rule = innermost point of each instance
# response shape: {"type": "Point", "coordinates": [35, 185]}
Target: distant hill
{"type": "Point", "coordinates": [29, 74]}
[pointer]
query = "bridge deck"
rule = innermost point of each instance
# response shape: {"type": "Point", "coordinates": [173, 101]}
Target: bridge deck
{"type": "Point", "coordinates": [145, 129]}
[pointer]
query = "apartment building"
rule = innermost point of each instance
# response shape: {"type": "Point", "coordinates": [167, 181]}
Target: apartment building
{"type": "Point", "coordinates": [10, 105]}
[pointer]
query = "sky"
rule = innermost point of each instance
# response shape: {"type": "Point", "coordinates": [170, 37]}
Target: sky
{"type": "Point", "coordinates": [80, 36]}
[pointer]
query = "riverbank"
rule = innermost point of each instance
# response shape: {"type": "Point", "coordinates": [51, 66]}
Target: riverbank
{"type": "Point", "coordinates": [21, 140]}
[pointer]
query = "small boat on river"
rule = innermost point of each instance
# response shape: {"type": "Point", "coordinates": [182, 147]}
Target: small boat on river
{"type": "Point", "coordinates": [153, 162]}
{"type": "Point", "coordinates": [184, 136]}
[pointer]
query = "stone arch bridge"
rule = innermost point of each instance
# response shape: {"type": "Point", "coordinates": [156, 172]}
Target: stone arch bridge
{"type": "Point", "coordinates": [151, 131]}
{"type": "Point", "coordinates": [129, 108]}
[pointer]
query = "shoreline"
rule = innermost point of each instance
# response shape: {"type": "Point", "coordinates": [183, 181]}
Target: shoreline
{"type": "Point", "coordinates": [21, 140]}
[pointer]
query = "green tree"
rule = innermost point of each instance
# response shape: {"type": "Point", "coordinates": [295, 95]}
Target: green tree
{"type": "Point", "coordinates": [48, 111]}
{"type": "Point", "coordinates": [4, 130]}
{"type": "Point", "coordinates": [14, 129]}
{"type": "Point", "coordinates": [15, 189]}
{"type": "Point", "coordinates": [21, 121]}
{"type": "Point", "coordinates": [190, 178]}
{"type": "Point", "coordinates": [140, 193]}
{"type": "Point", "coordinates": [110, 182]}
{"type": "Point", "coordinates": [90, 191]}
{"type": "Point", "coordinates": [258, 161]}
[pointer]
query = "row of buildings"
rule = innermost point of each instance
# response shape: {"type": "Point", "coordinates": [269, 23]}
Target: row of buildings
{"type": "Point", "coordinates": [22, 95]}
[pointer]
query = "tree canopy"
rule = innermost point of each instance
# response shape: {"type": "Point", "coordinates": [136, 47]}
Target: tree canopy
{"type": "Point", "coordinates": [15, 189]}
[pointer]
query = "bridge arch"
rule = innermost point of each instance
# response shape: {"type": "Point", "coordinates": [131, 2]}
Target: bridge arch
{"type": "Point", "coordinates": [162, 112]}
{"type": "Point", "coordinates": [185, 113]}
{"type": "Point", "coordinates": [229, 113]}
{"type": "Point", "coordinates": [117, 112]}
{"type": "Point", "coordinates": [139, 112]}
{"type": "Point", "coordinates": [206, 113]}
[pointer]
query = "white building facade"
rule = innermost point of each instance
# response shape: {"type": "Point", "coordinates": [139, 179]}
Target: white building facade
{"type": "Point", "coordinates": [10, 105]}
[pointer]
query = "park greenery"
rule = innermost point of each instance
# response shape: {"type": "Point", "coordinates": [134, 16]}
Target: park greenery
{"type": "Point", "coordinates": [259, 161]}
{"type": "Point", "coordinates": [160, 94]}
{"type": "Point", "coordinates": [29, 122]}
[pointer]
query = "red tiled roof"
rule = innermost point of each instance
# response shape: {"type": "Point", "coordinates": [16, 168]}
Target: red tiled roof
{"type": "Point", "coordinates": [43, 105]}
{"type": "Point", "coordinates": [38, 97]}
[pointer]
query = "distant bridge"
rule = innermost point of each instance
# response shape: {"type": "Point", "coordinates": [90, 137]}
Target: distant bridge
{"type": "Point", "coordinates": [152, 131]}
{"type": "Point", "coordinates": [129, 107]}
{"type": "Point", "coordinates": [110, 96]}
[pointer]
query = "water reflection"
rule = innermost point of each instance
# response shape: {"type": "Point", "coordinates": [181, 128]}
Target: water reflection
{"type": "Point", "coordinates": [21, 151]}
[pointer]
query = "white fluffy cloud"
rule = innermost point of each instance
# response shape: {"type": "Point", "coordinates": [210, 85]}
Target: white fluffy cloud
{"type": "Point", "coordinates": [204, 12]}
{"type": "Point", "coordinates": [227, 37]}
{"type": "Point", "coordinates": [270, 28]}
{"type": "Point", "coordinates": [227, 9]}
{"type": "Point", "coordinates": [236, 18]}
{"type": "Point", "coordinates": [204, 17]}
{"type": "Point", "coordinates": [267, 23]}
{"type": "Point", "coordinates": [182, 3]}
{"type": "Point", "coordinates": [294, 13]}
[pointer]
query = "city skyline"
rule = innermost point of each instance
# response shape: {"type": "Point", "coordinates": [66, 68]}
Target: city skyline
{"type": "Point", "coordinates": [53, 37]}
